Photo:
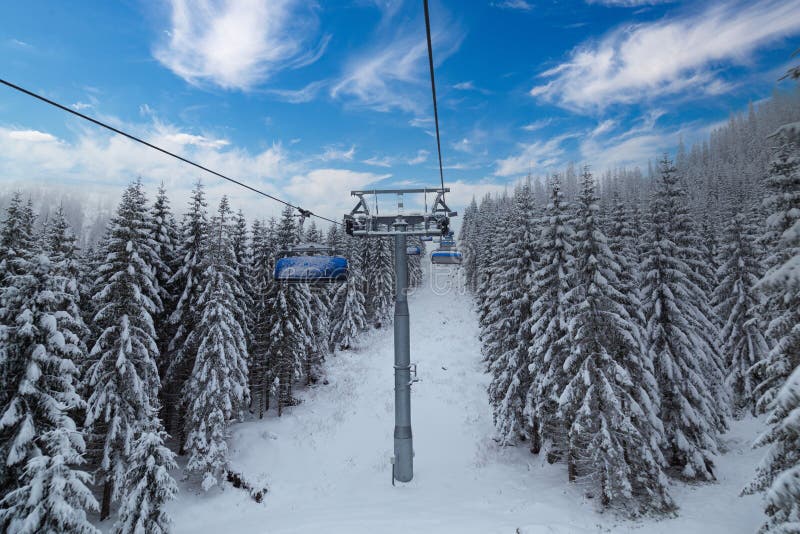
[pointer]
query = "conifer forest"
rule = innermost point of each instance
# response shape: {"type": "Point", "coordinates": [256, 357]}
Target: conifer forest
{"type": "Point", "coordinates": [582, 342]}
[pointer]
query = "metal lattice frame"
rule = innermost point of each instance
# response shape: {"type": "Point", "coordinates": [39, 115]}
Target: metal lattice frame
{"type": "Point", "coordinates": [363, 223]}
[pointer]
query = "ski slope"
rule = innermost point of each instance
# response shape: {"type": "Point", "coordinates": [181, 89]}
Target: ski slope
{"type": "Point", "coordinates": [326, 461]}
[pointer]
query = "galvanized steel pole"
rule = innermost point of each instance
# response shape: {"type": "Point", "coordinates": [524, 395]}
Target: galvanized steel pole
{"type": "Point", "coordinates": [403, 468]}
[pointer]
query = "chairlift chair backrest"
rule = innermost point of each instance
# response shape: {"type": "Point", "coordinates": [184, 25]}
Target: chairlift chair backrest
{"type": "Point", "coordinates": [310, 263]}
{"type": "Point", "coordinates": [446, 257]}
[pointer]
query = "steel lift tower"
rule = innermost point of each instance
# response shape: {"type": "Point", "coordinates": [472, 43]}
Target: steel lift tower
{"type": "Point", "coordinates": [360, 222]}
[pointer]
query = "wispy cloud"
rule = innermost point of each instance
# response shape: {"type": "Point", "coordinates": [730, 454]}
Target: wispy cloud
{"type": "Point", "coordinates": [537, 125]}
{"type": "Point", "coordinates": [299, 96]}
{"type": "Point", "coordinates": [20, 44]}
{"type": "Point", "coordinates": [641, 142]}
{"type": "Point", "coordinates": [391, 74]}
{"type": "Point", "coordinates": [183, 139]}
{"type": "Point", "coordinates": [31, 136]}
{"type": "Point", "coordinates": [521, 5]}
{"type": "Point", "coordinates": [470, 86]}
{"type": "Point", "coordinates": [537, 157]}
{"type": "Point", "coordinates": [421, 157]}
{"type": "Point", "coordinates": [604, 127]}
{"type": "Point", "coordinates": [333, 153]}
{"type": "Point", "coordinates": [644, 61]}
{"type": "Point", "coordinates": [237, 44]}
{"type": "Point", "coordinates": [315, 187]}
{"type": "Point", "coordinates": [376, 161]}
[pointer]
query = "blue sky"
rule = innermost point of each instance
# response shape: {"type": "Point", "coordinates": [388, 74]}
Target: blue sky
{"type": "Point", "coordinates": [309, 100]}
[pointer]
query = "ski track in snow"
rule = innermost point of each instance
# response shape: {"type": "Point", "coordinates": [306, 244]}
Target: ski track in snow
{"type": "Point", "coordinates": [326, 461]}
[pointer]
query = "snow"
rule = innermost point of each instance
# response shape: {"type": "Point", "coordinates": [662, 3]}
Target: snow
{"type": "Point", "coordinates": [326, 461]}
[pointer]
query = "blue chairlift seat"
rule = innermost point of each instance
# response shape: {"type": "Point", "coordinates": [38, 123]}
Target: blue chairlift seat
{"type": "Point", "coordinates": [413, 250]}
{"type": "Point", "coordinates": [426, 238]}
{"type": "Point", "coordinates": [446, 257]}
{"type": "Point", "coordinates": [311, 269]}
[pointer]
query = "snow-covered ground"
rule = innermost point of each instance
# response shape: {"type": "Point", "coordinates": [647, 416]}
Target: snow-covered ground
{"type": "Point", "coordinates": [326, 461]}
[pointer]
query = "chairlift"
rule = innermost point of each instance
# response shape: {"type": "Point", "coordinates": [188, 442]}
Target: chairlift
{"type": "Point", "coordinates": [446, 257]}
{"type": "Point", "coordinates": [413, 250]}
{"type": "Point", "coordinates": [310, 263]}
{"type": "Point", "coordinates": [447, 253]}
{"type": "Point", "coordinates": [426, 238]}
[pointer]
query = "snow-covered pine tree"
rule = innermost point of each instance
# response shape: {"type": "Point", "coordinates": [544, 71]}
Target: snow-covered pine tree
{"type": "Point", "coordinates": [779, 472]}
{"type": "Point", "coordinates": [674, 341]}
{"type": "Point", "coordinates": [312, 234]}
{"type": "Point", "coordinates": [123, 376]}
{"type": "Point", "coordinates": [319, 308]}
{"type": "Point", "coordinates": [261, 281]}
{"type": "Point", "coordinates": [549, 327]}
{"type": "Point", "coordinates": [510, 326]}
{"type": "Point", "coordinates": [415, 263]}
{"type": "Point", "coordinates": [362, 255]}
{"type": "Point", "coordinates": [242, 253]}
{"type": "Point", "coordinates": [494, 301]}
{"type": "Point", "coordinates": [469, 245]}
{"type": "Point", "coordinates": [216, 391]}
{"type": "Point", "coordinates": [690, 248]}
{"type": "Point", "coordinates": [489, 223]}
{"type": "Point", "coordinates": [61, 246]}
{"type": "Point", "coordinates": [16, 236]}
{"type": "Point", "coordinates": [165, 236]}
{"type": "Point", "coordinates": [709, 253]}
{"type": "Point", "coordinates": [148, 485]}
{"type": "Point", "coordinates": [188, 282]}
{"type": "Point", "coordinates": [736, 302]}
{"type": "Point", "coordinates": [609, 404]}
{"type": "Point", "coordinates": [379, 273]}
{"type": "Point", "coordinates": [623, 242]}
{"type": "Point", "coordinates": [40, 447]}
{"type": "Point", "coordinates": [217, 386]}
{"type": "Point", "coordinates": [349, 317]}
{"type": "Point", "coordinates": [289, 324]}
{"type": "Point", "coordinates": [779, 284]}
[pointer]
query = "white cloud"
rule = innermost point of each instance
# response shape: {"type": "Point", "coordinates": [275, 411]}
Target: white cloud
{"type": "Point", "coordinates": [604, 127]}
{"type": "Point", "coordinates": [333, 153]}
{"type": "Point", "coordinates": [183, 139]}
{"type": "Point", "coordinates": [375, 161]}
{"type": "Point", "coordinates": [94, 161]}
{"type": "Point", "coordinates": [536, 157]}
{"type": "Point", "coordinates": [299, 96]}
{"type": "Point", "coordinates": [31, 136]}
{"type": "Point", "coordinates": [644, 61]}
{"type": "Point", "coordinates": [641, 143]}
{"type": "Point", "coordinates": [327, 191]}
{"type": "Point", "coordinates": [464, 145]}
{"type": "Point", "coordinates": [78, 106]}
{"type": "Point", "coordinates": [19, 44]}
{"type": "Point", "coordinates": [470, 86]}
{"type": "Point", "coordinates": [421, 157]}
{"type": "Point", "coordinates": [237, 44]}
{"type": "Point", "coordinates": [392, 75]}
{"type": "Point", "coordinates": [537, 125]}
{"type": "Point", "coordinates": [521, 5]}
